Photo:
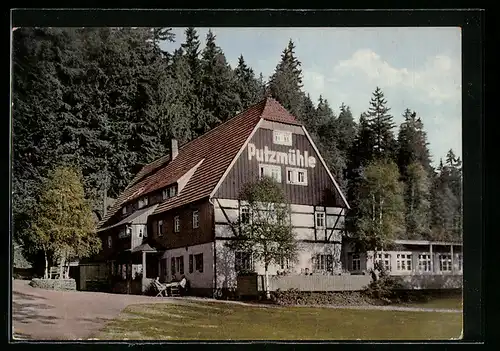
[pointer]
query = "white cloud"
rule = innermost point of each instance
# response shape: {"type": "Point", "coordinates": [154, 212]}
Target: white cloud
{"type": "Point", "coordinates": [438, 80]}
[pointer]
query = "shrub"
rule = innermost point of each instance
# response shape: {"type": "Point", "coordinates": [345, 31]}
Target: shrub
{"type": "Point", "coordinates": [339, 298]}
{"type": "Point", "coordinates": [386, 288]}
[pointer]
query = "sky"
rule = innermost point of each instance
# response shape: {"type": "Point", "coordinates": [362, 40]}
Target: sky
{"type": "Point", "coordinates": [416, 68]}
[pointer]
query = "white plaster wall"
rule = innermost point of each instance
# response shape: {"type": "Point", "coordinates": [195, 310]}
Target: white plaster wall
{"type": "Point", "coordinates": [302, 220]}
{"type": "Point", "coordinates": [223, 231]}
{"type": "Point", "coordinates": [302, 208]}
{"type": "Point", "coordinates": [304, 233]}
{"type": "Point", "coordinates": [226, 203]}
{"type": "Point", "coordinates": [334, 210]}
{"type": "Point", "coordinates": [196, 279]}
{"type": "Point", "coordinates": [232, 214]}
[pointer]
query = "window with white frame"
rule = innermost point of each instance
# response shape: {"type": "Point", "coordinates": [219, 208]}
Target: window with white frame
{"type": "Point", "coordinates": [424, 262]}
{"type": "Point", "coordinates": [296, 176]}
{"type": "Point", "coordinates": [281, 137]}
{"type": "Point", "coordinates": [196, 219]}
{"type": "Point", "coordinates": [179, 264]}
{"type": "Point", "coordinates": [141, 232]}
{"type": "Point", "coordinates": [445, 262]}
{"type": "Point", "coordinates": [385, 260]}
{"type": "Point", "coordinates": [110, 242]}
{"type": "Point", "coordinates": [172, 191]}
{"type": "Point", "coordinates": [198, 262]}
{"type": "Point", "coordinates": [323, 262]}
{"type": "Point", "coordinates": [243, 261]}
{"type": "Point", "coordinates": [271, 171]}
{"type": "Point", "coordinates": [319, 220]}
{"type": "Point", "coordinates": [356, 262]}
{"type": "Point", "coordinates": [143, 202]}
{"type": "Point", "coordinates": [403, 262]}
{"type": "Point", "coordinates": [124, 210]}
{"type": "Point", "coordinates": [460, 261]}
{"type": "Point", "coordinates": [177, 224]}
{"type": "Point", "coordinates": [165, 194]}
{"type": "Point", "coordinates": [160, 228]}
{"type": "Point", "coordinates": [245, 214]}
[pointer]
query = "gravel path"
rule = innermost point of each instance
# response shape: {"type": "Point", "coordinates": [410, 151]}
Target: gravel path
{"type": "Point", "coordinates": [40, 314]}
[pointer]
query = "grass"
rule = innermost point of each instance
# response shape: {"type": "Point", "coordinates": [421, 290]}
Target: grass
{"type": "Point", "coordinates": [455, 303]}
{"type": "Point", "coordinates": [221, 321]}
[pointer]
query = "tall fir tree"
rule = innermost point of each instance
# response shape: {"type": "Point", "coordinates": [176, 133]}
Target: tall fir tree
{"type": "Point", "coordinates": [285, 84]}
{"type": "Point", "coordinates": [412, 144]}
{"type": "Point", "coordinates": [417, 202]}
{"type": "Point", "coordinates": [381, 124]}
{"type": "Point", "coordinates": [219, 95]}
{"type": "Point", "coordinates": [248, 86]}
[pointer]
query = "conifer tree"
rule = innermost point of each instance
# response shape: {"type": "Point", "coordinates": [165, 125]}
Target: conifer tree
{"type": "Point", "coordinates": [248, 87]}
{"type": "Point", "coordinates": [219, 96]}
{"type": "Point", "coordinates": [381, 124]}
{"type": "Point", "coordinates": [286, 82]}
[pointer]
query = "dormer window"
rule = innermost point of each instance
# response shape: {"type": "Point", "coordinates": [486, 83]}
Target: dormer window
{"type": "Point", "coordinates": [124, 210]}
{"type": "Point", "coordinates": [169, 192]}
{"type": "Point", "coordinates": [172, 191]}
{"type": "Point", "coordinates": [142, 202]}
{"type": "Point", "coordinates": [281, 137]}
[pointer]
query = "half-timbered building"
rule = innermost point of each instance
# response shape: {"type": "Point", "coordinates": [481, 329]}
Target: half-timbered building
{"type": "Point", "coordinates": [173, 218]}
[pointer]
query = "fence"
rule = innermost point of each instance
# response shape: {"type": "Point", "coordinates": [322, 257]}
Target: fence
{"type": "Point", "coordinates": [251, 285]}
{"type": "Point", "coordinates": [90, 273]}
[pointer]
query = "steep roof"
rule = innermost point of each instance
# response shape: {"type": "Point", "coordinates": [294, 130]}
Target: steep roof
{"type": "Point", "coordinates": [218, 148]}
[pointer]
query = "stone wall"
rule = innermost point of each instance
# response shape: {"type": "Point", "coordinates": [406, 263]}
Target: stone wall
{"type": "Point", "coordinates": [54, 284]}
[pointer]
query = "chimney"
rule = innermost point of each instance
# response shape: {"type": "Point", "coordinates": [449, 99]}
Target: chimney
{"type": "Point", "coordinates": [174, 150]}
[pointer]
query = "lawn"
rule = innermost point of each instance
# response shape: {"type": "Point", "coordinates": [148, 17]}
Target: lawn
{"type": "Point", "coordinates": [221, 321]}
{"type": "Point", "coordinates": [455, 303]}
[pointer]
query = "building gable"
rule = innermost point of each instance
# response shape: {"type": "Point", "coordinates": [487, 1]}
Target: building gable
{"type": "Point", "coordinates": [286, 149]}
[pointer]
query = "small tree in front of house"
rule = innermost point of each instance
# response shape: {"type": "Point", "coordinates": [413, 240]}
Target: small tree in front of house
{"type": "Point", "coordinates": [63, 225]}
{"type": "Point", "coordinates": [381, 207]}
{"type": "Point", "coordinates": [264, 228]}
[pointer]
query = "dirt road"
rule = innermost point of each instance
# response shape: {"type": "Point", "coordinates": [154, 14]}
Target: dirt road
{"type": "Point", "coordinates": [39, 314]}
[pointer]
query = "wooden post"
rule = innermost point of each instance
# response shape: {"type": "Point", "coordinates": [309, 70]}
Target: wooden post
{"type": "Point", "coordinates": [432, 258]}
{"type": "Point", "coordinates": [452, 266]}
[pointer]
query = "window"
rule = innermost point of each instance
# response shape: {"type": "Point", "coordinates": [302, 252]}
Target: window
{"type": "Point", "coordinates": [243, 261]}
{"type": "Point", "coordinates": [110, 242]}
{"type": "Point", "coordinates": [172, 265]}
{"type": "Point", "coordinates": [384, 260]}
{"type": "Point", "coordinates": [424, 262]}
{"type": "Point", "coordinates": [190, 263]}
{"type": "Point", "coordinates": [284, 263]}
{"type": "Point", "coordinates": [323, 263]}
{"type": "Point", "coordinates": [179, 264]}
{"type": "Point", "coordinates": [143, 202]}
{"type": "Point", "coordinates": [319, 220]}
{"type": "Point", "coordinates": [177, 224]}
{"type": "Point", "coordinates": [172, 191]}
{"type": "Point", "coordinates": [160, 228]}
{"type": "Point", "coordinates": [356, 262]}
{"type": "Point", "coordinates": [165, 194]}
{"type": "Point", "coordinates": [198, 259]}
{"type": "Point", "coordinates": [282, 137]}
{"type": "Point", "coordinates": [196, 219]}
{"type": "Point", "coordinates": [124, 210]}
{"type": "Point", "coordinates": [403, 262]}
{"type": "Point", "coordinates": [296, 176]}
{"type": "Point", "coordinates": [140, 232]}
{"type": "Point", "coordinates": [460, 262]}
{"type": "Point", "coordinates": [270, 171]}
{"type": "Point", "coordinates": [445, 262]}
{"type": "Point", "coordinates": [245, 214]}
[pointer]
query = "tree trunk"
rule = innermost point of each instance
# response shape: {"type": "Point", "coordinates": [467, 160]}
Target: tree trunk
{"type": "Point", "coordinates": [268, 294]}
{"type": "Point", "coordinates": [61, 266]}
{"type": "Point", "coordinates": [46, 272]}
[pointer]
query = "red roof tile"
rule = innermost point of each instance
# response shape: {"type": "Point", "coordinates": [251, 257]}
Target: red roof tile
{"type": "Point", "coordinates": [273, 111]}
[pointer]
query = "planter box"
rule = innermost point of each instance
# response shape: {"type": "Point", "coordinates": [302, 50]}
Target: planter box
{"type": "Point", "coordinates": [54, 284]}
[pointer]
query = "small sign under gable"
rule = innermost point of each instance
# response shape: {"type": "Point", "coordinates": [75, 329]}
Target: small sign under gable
{"type": "Point", "coordinates": [293, 157]}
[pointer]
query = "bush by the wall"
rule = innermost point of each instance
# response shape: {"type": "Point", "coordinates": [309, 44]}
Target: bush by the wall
{"type": "Point", "coordinates": [54, 284]}
{"type": "Point", "coordinates": [386, 288]}
{"type": "Point", "coordinates": [340, 298]}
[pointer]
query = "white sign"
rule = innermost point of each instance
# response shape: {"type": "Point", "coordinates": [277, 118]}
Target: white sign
{"type": "Point", "coordinates": [292, 157]}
